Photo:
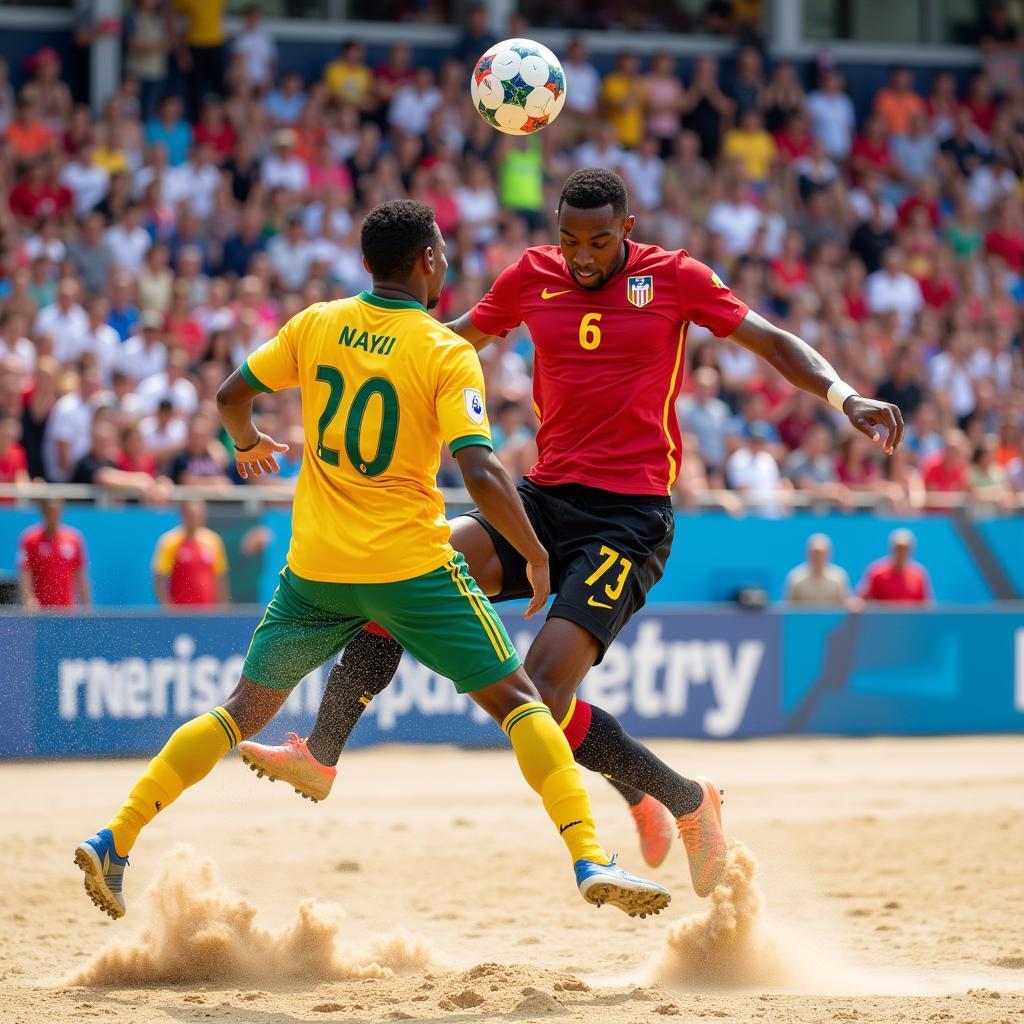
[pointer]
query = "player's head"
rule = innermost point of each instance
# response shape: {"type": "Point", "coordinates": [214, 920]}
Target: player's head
{"type": "Point", "coordinates": [402, 245]}
{"type": "Point", "coordinates": [52, 510]}
{"type": "Point", "coordinates": [193, 515]}
{"type": "Point", "coordinates": [901, 544]}
{"type": "Point", "coordinates": [593, 224]}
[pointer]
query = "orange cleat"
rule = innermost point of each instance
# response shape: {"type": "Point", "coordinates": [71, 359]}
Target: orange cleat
{"type": "Point", "coordinates": [654, 826]}
{"type": "Point", "coordinates": [702, 835]}
{"type": "Point", "coordinates": [290, 762]}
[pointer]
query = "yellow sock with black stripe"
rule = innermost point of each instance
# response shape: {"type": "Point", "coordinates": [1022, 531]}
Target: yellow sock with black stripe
{"type": "Point", "coordinates": [187, 757]}
{"type": "Point", "coordinates": [546, 763]}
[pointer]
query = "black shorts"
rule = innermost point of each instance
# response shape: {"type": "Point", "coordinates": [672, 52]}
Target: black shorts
{"type": "Point", "coordinates": [607, 550]}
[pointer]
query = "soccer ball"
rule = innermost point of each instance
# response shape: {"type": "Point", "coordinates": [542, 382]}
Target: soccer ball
{"type": "Point", "coordinates": [518, 86]}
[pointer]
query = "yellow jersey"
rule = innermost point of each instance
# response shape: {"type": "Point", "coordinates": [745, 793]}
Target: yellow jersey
{"type": "Point", "coordinates": [204, 21]}
{"type": "Point", "coordinates": [383, 386]}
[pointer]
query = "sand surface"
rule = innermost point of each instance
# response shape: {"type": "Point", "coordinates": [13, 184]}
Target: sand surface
{"type": "Point", "coordinates": [877, 880]}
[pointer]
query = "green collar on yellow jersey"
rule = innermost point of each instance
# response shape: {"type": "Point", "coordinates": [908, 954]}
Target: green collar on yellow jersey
{"type": "Point", "coordinates": [378, 300]}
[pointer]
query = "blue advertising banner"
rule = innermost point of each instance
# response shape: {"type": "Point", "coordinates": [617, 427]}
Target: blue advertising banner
{"type": "Point", "coordinates": [112, 684]}
{"type": "Point", "coordinates": [118, 684]}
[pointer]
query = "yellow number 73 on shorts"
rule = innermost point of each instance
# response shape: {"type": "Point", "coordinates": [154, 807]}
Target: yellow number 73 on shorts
{"type": "Point", "coordinates": [613, 591]}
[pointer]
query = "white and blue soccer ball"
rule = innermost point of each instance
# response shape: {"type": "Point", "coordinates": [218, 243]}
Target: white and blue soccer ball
{"type": "Point", "coordinates": [518, 86]}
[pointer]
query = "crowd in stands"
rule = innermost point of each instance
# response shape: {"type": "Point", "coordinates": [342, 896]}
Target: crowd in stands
{"type": "Point", "coordinates": [147, 249]}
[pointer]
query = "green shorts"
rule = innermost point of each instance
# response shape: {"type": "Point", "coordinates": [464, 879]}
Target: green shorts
{"type": "Point", "coordinates": [441, 618]}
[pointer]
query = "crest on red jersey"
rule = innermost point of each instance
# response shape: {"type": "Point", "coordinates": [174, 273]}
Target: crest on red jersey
{"type": "Point", "coordinates": [640, 290]}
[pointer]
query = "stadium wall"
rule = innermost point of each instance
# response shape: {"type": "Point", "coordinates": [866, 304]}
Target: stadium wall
{"type": "Point", "coordinates": [715, 554]}
{"type": "Point", "coordinates": [114, 684]}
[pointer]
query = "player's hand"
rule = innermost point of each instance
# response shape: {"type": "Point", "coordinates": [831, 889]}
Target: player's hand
{"type": "Point", "coordinates": [539, 575]}
{"type": "Point", "coordinates": [867, 416]}
{"type": "Point", "coordinates": [260, 458]}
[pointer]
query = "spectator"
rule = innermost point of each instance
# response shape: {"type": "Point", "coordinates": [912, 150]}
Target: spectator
{"type": "Point", "coordinates": [833, 118]}
{"type": "Point", "coordinates": [707, 417]}
{"type": "Point", "coordinates": [753, 471]}
{"type": "Point", "coordinates": [164, 432]}
{"type": "Point", "coordinates": [1003, 49]}
{"type": "Point", "coordinates": [39, 194]}
{"type": "Point", "coordinates": [99, 338]}
{"type": "Point", "coordinates": [663, 99]}
{"type": "Point", "coordinates": [29, 136]}
{"type": "Point", "coordinates": [290, 254]}
{"type": "Point", "coordinates": [203, 460]}
{"type": "Point", "coordinates": [476, 39]}
{"type": "Point", "coordinates": [284, 105]}
{"type": "Point", "coordinates": [962, 151]}
{"type": "Point", "coordinates": [124, 314]}
{"type": "Point", "coordinates": [818, 582]}
{"type": "Point", "coordinates": [171, 384]}
{"type": "Point", "coordinates": [624, 96]}
{"type": "Point", "coordinates": [783, 97]}
{"type": "Point", "coordinates": [897, 579]}
{"type": "Point", "coordinates": [65, 321]}
{"type": "Point", "coordinates": [892, 289]}
{"type": "Point", "coordinates": [914, 152]}
{"type": "Point", "coordinates": [948, 471]}
{"type": "Point", "coordinates": [98, 466]}
{"type": "Point", "coordinates": [748, 87]}
{"type": "Point", "coordinates": [190, 565]}
{"type": "Point", "coordinates": [145, 354]}
{"type": "Point", "coordinates": [752, 146]}
{"type": "Point", "coordinates": [170, 130]}
{"type": "Point", "coordinates": [580, 112]}
{"type": "Point", "coordinates": [705, 107]}
{"type": "Point", "coordinates": [36, 414]}
{"type": "Point", "coordinates": [810, 468]}
{"type": "Point", "coordinates": [735, 218]}
{"type": "Point", "coordinates": [202, 57]}
{"type": "Point", "coordinates": [348, 79]}
{"type": "Point", "coordinates": [148, 40]}
{"type": "Point", "coordinates": [87, 180]}
{"type": "Point", "coordinates": [128, 241]}
{"type": "Point", "coordinates": [257, 49]}
{"type": "Point", "coordinates": [282, 168]}
{"type": "Point", "coordinates": [413, 103]}
{"type": "Point", "coordinates": [897, 104]}
{"type": "Point", "coordinates": [52, 563]}
{"type": "Point", "coordinates": [13, 460]}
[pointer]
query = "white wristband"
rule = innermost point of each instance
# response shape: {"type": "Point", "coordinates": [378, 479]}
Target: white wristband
{"type": "Point", "coordinates": [838, 392]}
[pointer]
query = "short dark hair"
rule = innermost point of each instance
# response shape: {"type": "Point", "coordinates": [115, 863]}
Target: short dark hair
{"type": "Point", "coordinates": [591, 187]}
{"type": "Point", "coordinates": [394, 235]}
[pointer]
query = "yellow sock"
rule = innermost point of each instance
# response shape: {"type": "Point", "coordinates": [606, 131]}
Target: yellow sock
{"type": "Point", "coordinates": [186, 758]}
{"type": "Point", "coordinates": [547, 765]}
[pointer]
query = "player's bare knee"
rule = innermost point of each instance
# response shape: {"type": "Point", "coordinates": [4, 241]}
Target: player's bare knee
{"type": "Point", "coordinates": [556, 692]}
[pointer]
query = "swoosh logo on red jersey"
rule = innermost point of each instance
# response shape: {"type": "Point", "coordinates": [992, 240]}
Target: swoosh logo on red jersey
{"type": "Point", "coordinates": [545, 294]}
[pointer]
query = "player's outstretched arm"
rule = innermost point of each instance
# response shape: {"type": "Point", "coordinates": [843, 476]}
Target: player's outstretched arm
{"type": "Point", "coordinates": [803, 367]}
{"type": "Point", "coordinates": [254, 452]}
{"type": "Point", "coordinates": [496, 497]}
{"type": "Point", "coordinates": [465, 328]}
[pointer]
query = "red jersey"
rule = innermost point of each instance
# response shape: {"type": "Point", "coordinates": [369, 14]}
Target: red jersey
{"type": "Point", "coordinates": [884, 582]}
{"type": "Point", "coordinates": [52, 563]}
{"type": "Point", "coordinates": [192, 564]}
{"type": "Point", "coordinates": [608, 363]}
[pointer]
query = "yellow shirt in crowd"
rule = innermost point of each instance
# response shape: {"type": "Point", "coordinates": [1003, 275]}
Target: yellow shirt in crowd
{"type": "Point", "coordinates": [624, 105]}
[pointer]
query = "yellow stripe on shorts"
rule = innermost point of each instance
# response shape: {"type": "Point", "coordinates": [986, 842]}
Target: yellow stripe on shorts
{"type": "Point", "coordinates": [493, 633]}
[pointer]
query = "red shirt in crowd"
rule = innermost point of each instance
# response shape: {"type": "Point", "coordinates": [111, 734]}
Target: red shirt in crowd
{"type": "Point", "coordinates": [874, 155]}
{"type": "Point", "coordinates": [1008, 245]}
{"type": "Point", "coordinates": [608, 361]}
{"type": "Point", "coordinates": [44, 200]}
{"type": "Point", "coordinates": [884, 582]}
{"type": "Point", "coordinates": [937, 293]}
{"type": "Point", "coordinates": [221, 140]}
{"type": "Point", "coordinates": [52, 563]}
{"type": "Point", "coordinates": [939, 475]}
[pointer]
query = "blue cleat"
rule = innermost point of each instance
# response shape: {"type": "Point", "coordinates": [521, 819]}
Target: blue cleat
{"type": "Point", "coordinates": [104, 872]}
{"type": "Point", "coordinates": [608, 883]}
